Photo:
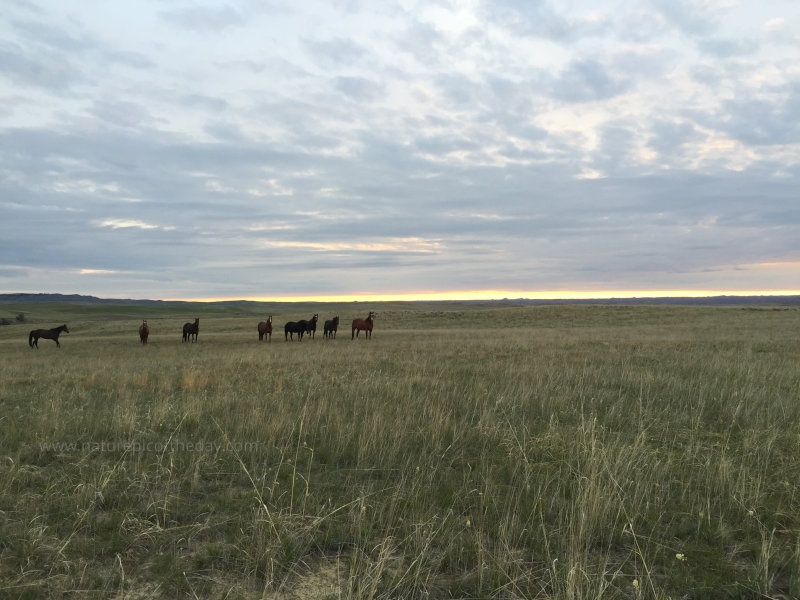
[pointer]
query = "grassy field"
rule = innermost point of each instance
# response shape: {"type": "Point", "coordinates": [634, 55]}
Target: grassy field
{"type": "Point", "coordinates": [466, 451]}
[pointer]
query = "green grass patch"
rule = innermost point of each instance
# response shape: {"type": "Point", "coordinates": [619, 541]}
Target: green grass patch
{"type": "Point", "coordinates": [467, 450]}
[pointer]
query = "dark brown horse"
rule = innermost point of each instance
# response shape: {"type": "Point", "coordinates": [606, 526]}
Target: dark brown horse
{"type": "Point", "coordinates": [48, 334]}
{"type": "Point", "coordinates": [292, 327]}
{"type": "Point", "coordinates": [311, 325]}
{"type": "Point", "coordinates": [265, 328]}
{"type": "Point", "coordinates": [331, 325]}
{"type": "Point", "coordinates": [144, 331]}
{"type": "Point", "coordinates": [364, 325]}
{"type": "Point", "coordinates": [191, 330]}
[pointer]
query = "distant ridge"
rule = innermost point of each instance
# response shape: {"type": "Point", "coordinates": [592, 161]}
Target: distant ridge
{"type": "Point", "coordinates": [707, 301]}
{"type": "Point", "coordinates": [71, 298]}
{"type": "Point", "coordinates": [688, 300]}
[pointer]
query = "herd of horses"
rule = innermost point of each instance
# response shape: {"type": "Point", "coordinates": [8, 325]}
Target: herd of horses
{"type": "Point", "coordinates": [192, 330]}
{"type": "Point", "coordinates": [309, 327]}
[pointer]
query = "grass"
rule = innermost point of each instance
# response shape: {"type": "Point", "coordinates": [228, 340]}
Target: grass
{"type": "Point", "coordinates": [467, 451]}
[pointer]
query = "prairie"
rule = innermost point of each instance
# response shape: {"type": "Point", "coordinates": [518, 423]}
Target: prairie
{"type": "Point", "coordinates": [466, 451]}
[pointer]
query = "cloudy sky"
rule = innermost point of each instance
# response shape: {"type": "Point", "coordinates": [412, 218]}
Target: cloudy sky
{"type": "Point", "coordinates": [192, 149]}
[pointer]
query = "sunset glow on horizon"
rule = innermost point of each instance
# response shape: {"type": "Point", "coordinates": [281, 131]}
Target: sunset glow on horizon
{"type": "Point", "coordinates": [488, 295]}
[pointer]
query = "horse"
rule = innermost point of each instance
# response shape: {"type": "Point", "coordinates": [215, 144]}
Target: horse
{"type": "Point", "coordinates": [265, 328]}
{"type": "Point", "coordinates": [144, 331]}
{"type": "Point", "coordinates": [311, 325]}
{"type": "Point", "coordinates": [364, 325]}
{"type": "Point", "coordinates": [331, 325]}
{"type": "Point", "coordinates": [48, 334]}
{"type": "Point", "coordinates": [294, 327]}
{"type": "Point", "coordinates": [190, 331]}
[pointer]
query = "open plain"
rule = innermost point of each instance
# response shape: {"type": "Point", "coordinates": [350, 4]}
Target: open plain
{"type": "Point", "coordinates": [465, 451]}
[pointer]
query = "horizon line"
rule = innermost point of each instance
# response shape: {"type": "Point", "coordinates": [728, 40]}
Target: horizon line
{"type": "Point", "coordinates": [490, 295]}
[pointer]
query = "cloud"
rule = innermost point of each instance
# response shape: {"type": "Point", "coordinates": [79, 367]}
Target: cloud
{"type": "Point", "coordinates": [541, 19]}
{"type": "Point", "coordinates": [763, 120]}
{"type": "Point", "coordinates": [586, 80]}
{"type": "Point", "coordinates": [359, 89]}
{"type": "Point", "coordinates": [728, 47]}
{"type": "Point", "coordinates": [123, 224]}
{"type": "Point", "coordinates": [205, 103]}
{"type": "Point", "coordinates": [46, 69]}
{"type": "Point", "coordinates": [204, 19]}
{"type": "Point", "coordinates": [688, 16]}
{"type": "Point", "coordinates": [121, 113]}
{"type": "Point", "coordinates": [393, 245]}
{"type": "Point", "coordinates": [336, 52]}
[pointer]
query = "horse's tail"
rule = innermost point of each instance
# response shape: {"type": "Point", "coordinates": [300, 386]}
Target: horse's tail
{"type": "Point", "coordinates": [30, 339]}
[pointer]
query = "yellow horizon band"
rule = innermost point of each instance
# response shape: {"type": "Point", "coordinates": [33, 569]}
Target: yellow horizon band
{"type": "Point", "coordinates": [496, 295]}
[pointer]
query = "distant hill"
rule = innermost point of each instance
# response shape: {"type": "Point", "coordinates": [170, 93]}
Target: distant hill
{"type": "Point", "coordinates": [709, 301]}
{"type": "Point", "coordinates": [72, 299]}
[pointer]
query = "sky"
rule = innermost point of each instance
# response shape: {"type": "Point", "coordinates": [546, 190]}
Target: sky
{"type": "Point", "coordinates": [252, 149]}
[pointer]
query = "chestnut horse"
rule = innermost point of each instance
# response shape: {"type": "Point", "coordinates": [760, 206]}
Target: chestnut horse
{"type": "Point", "coordinates": [144, 331]}
{"type": "Point", "coordinates": [190, 331]}
{"type": "Point", "coordinates": [265, 328]}
{"type": "Point", "coordinates": [331, 326]}
{"type": "Point", "coordinates": [48, 334]}
{"type": "Point", "coordinates": [364, 325]}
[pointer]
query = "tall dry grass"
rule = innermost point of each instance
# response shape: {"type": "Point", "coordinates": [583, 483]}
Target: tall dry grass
{"type": "Point", "coordinates": [537, 452]}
